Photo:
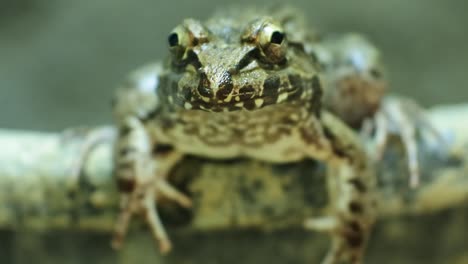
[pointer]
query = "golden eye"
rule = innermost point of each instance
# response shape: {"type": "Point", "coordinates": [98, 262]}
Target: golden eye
{"type": "Point", "coordinates": [178, 43]}
{"type": "Point", "coordinates": [277, 37]}
{"type": "Point", "coordinates": [184, 37]}
{"type": "Point", "coordinates": [269, 37]}
{"type": "Point", "coordinates": [179, 37]}
{"type": "Point", "coordinates": [270, 33]}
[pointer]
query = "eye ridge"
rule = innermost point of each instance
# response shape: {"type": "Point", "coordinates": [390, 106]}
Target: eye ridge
{"type": "Point", "coordinates": [277, 37]}
{"type": "Point", "coordinates": [173, 39]}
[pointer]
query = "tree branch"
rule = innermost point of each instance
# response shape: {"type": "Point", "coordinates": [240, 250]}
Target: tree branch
{"type": "Point", "coordinates": [40, 190]}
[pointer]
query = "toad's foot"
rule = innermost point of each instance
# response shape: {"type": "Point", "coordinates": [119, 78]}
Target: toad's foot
{"type": "Point", "coordinates": [141, 169]}
{"type": "Point", "coordinates": [348, 238]}
{"type": "Point", "coordinates": [143, 201]}
{"type": "Point", "coordinates": [404, 118]}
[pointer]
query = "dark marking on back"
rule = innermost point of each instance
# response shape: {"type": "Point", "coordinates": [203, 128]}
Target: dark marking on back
{"type": "Point", "coordinates": [162, 149]}
{"type": "Point", "coordinates": [339, 150]}
{"type": "Point", "coordinates": [125, 185]}
{"type": "Point", "coordinates": [316, 95]}
{"type": "Point", "coordinates": [356, 207]}
{"type": "Point", "coordinates": [355, 240]}
{"type": "Point", "coordinates": [308, 135]}
{"type": "Point", "coordinates": [358, 185]}
{"type": "Point", "coordinates": [167, 123]}
{"type": "Point", "coordinates": [295, 80]}
{"type": "Point", "coordinates": [287, 120]}
{"type": "Point", "coordinates": [355, 227]}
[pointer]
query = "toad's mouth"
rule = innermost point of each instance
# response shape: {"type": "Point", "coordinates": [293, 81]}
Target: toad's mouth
{"type": "Point", "coordinates": [240, 100]}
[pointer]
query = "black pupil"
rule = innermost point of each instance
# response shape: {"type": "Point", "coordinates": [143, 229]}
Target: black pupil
{"type": "Point", "coordinates": [277, 37]}
{"type": "Point", "coordinates": [173, 39]}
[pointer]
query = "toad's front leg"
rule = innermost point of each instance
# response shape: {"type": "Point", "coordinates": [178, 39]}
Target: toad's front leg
{"type": "Point", "coordinates": [141, 170]}
{"type": "Point", "coordinates": [404, 118]}
{"type": "Point", "coordinates": [350, 185]}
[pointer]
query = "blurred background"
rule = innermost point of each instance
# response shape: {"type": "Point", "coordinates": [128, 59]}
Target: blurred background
{"type": "Point", "coordinates": [61, 60]}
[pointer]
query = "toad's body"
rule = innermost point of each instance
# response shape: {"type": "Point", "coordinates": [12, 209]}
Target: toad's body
{"type": "Point", "coordinates": [240, 85]}
{"type": "Point", "coordinates": [272, 134]}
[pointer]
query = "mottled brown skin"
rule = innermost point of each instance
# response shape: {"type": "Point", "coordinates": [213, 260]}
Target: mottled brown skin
{"type": "Point", "coordinates": [237, 86]}
{"type": "Point", "coordinates": [355, 91]}
{"type": "Point", "coordinates": [354, 73]}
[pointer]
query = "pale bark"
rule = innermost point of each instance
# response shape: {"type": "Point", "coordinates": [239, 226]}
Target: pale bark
{"type": "Point", "coordinates": [38, 189]}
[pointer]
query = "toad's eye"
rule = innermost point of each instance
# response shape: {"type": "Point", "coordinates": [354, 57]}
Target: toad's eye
{"type": "Point", "coordinates": [269, 37]}
{"type": "Point", "coordinates": [173, 39]}
{"type": "Point", "coordinates": [277, 37]}
{"type": "Point", "coordinates": [179, 41]}
{"type": "Point", "coordinates": [186, 36]}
